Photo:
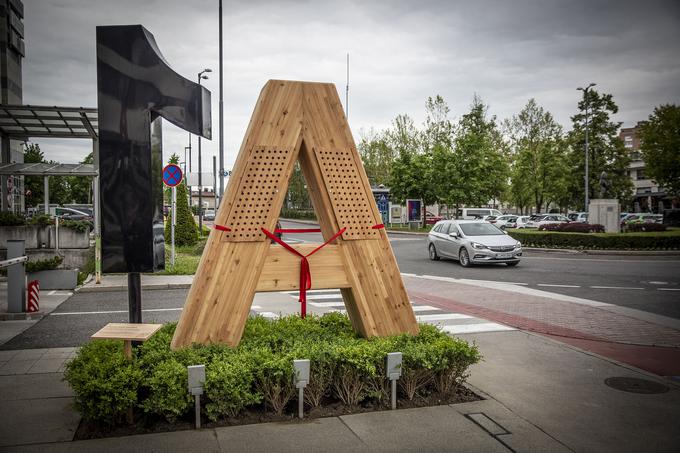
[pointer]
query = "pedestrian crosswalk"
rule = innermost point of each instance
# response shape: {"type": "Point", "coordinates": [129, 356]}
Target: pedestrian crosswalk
{"type": "Point", "coordinates": [330, 300]}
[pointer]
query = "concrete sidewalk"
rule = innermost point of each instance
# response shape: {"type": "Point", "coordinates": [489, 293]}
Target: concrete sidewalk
{"type": "Point", "coordinates": [540, 394]}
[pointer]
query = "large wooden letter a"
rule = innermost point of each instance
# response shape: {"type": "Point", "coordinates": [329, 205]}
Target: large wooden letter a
{"type": "Point", "coordinates": [305, 121]}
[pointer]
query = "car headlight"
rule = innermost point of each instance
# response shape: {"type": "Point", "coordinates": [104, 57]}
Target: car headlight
{"type": "Point", "coordinates": [518, 245]}
{"type": "Point", "coordinates": [477, 245]}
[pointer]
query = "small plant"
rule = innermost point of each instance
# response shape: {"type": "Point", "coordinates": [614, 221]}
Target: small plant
{"type": "Point", "coordinates": [229, 387]}
{"type": "Point", "coordinates": [42, 220]}
{"type": "Point", "coordinates": [640, 227]}
{"type": "Point", "coordinates": [8, 218]}
{"type": "Point", "coordinates": [44, 265]}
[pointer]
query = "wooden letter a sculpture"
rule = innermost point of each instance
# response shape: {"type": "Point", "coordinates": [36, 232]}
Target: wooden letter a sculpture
{"type": "Point", "coordinates": [305, 121]}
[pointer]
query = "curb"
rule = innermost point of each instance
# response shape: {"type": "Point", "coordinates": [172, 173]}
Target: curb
{"type": "Point", "coordinates": [152, 287]}
{"type": "Point", "coordinates": [24, 316]}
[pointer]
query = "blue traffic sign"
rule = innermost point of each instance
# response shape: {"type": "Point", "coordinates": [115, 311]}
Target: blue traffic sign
{"type": "Point", "coordinates": [172, 175]}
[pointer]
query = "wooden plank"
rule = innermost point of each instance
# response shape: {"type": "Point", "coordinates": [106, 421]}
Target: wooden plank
{"type": "Point", "coordinates": [125, 331]}
{"type": "Point", "coordinates": [281, 270]}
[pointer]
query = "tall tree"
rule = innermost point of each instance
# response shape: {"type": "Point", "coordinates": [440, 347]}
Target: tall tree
{"type": "Point", "coordinates": [606, 150]}
{"type": "Point", "coordinates": [538, 156]}
{"type": "Point", "coordinates": [411, 177]}
{"type": "Point", "coordinates": [660, 147]}
{"type": "Point", "coordinates": [377, 156]}
{"type": "Point", "coordinates": [478, 150]}
{"type": "Point", "coordinates": [80, 187]}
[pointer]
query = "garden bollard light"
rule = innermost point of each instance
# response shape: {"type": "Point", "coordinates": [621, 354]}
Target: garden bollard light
{"type": "Point", "coordinates": [393, 371]}
{"type": "Point", "coordinates": [301, 381]}
{"type": "Point", "coordinates": [196, 381]}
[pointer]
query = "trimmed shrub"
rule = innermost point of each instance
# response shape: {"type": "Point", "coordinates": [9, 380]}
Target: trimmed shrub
{"type": "Point", "coordinates": [573, 227]}
{"type": "Point", "coordinates": [602, 241]}
{"type": "Point", "coordinates": [80, 226]}
{"type": "Point", "coordinates": [343, 367]}
{"type": "Point", "coordinates": [104, 380]}
{"type": "Point", "coordinates": [640, 227]}
{"type": "Point", "coordinates": [44, 265]}
{"type": "Point", "coordinates": [42, 220]}
{"type": "Point", "coordinates": [298, 214]}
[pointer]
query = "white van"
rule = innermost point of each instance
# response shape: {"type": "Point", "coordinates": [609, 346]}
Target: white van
{"type": "Point", "coordinates": [477, 213]}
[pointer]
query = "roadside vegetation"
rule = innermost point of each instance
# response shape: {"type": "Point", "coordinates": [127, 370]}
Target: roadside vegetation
{"type": "Point", "coordinates": [255, 380]}
{"type": "Point", "coordinates": [643, 240]}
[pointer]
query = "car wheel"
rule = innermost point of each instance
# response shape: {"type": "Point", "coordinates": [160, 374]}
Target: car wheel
{"type": "Point", "coordinates": [433, 253]}
{"type": "Point", "coordinates": [512, 264]}
{"type": "Point", "coordinates": [464, 257]}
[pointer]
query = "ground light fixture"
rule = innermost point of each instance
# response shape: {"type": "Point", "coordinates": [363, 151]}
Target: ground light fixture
{"type": "Point", "coordinates": [196, 378]}
{"type": "Point", "coordinates": [301, 380]}
{"type": "Point", "coordinates": [393, 371]}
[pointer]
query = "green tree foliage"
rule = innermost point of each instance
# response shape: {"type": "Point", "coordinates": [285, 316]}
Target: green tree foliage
{"type": "Point", "coordinates": [63, 189]}
{"type": "Point", "coordinates": [660, 147]}
{"type": "Point", "coordinates": [186, 231]}
{"type": "Point", "coordinates": [538, 153]}
{"type": "Point", "coordinates": [377, 156]}
{"type": "Point", "coordinates": [298, 193]}
{"type": "Point", "coordinates": [479, 153]}
{"type": "Point", "coordinates": [606, 150]}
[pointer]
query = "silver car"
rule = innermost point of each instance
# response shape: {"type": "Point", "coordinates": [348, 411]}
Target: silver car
{"type": "Point", "coordinates": [472, 242]}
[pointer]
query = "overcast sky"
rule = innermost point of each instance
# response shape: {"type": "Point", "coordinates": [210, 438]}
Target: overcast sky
{"type": "Point", "coordinates": [401, 52]}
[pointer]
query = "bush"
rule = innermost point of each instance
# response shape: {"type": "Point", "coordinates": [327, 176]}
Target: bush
{"type": "Point", "coordinates": [44, 265]}
{"type": "Point", "coordinates": [604, 241]}
{"type": "Point", "coordinates": [573, 227]}
{"type": "Point", "coordinates": [298, 214]}
{"type": "Point", "coordinates": [640, 227]}
{"type": "Point", "coordinates": [42, 220]}
{"type": "Point", "coordinates": [342, 367]}
{"type": "Point", "coordinates": [81, 226]}
{"type": "Point", "coordinates": [8, 218]}
{"type": "Point", "coordinates": [104, 380]}
{"type": "Point", "coordinates": [186, 231]}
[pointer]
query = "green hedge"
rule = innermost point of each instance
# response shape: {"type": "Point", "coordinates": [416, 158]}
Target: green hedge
{"type": "Point", "coordinates": [298, 214]}
{"type": "Point", "coordinates": [669, 240]}
{"type": "Point", "coordinates": [259, 371]}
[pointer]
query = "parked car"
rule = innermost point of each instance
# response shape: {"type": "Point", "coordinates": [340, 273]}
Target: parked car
{"type": "Point", "coordinates": [477, 213]}
{"type": "Point", "coordinates": [489, 218]}
{"type": "Point", "coordinates": [472, 242]}
{"type": "Point", "coordinates": [533, 220]}
{"type": "Point", "coordinates": [209, 214]}
{"type": "Point", "coordinates": [642, 218]}
{"type": "Point", "coordinates": [431, 219]}
{"type": "Point", "coordinates": [580, 217]}
{"type": "Point", "coordinates": [522, 222]}
{"type": "Point", "coordinates": [506, 221]}
{"type": "Point", "coordinates": [551, 218]}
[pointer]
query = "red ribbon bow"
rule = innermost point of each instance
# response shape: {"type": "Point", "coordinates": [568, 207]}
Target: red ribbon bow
{"type": "Point", "coordinates": [305, 274]}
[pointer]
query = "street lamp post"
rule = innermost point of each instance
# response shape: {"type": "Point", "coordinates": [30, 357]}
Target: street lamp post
{"type": "Point", "coordinates": [585, 96]}
{"type": "Point", "coordinates": [201, 75]}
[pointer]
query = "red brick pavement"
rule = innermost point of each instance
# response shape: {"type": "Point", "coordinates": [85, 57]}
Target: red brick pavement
{"type": "Point", "coordinates": [541, 314]}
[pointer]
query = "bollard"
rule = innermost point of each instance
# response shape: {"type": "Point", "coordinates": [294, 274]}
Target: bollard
{"type": "Point", "coordinates": [393, 371]}
{"type": "Point", "coordinates": [301, 379]}
{"type": "Point", "coordinates": [196, 381]}
{"type": "Point", "coordinates": [16, 277]}
{"type": "Point", "coordinates": [33, 301]}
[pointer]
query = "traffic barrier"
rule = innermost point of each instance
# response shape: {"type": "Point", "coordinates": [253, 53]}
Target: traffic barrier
{"type": "Point", "coordinates": [33, 304]}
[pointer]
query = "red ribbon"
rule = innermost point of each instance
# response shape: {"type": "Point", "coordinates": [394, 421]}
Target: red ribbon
{"type": "Point", "coordinates": [299, 230]}
{"type": "Point", "coordinates": [222, 228]}
{"type": "Point", "coordinates": [378, 226]}
{"type": "Point", "coordinates": [305, 274]}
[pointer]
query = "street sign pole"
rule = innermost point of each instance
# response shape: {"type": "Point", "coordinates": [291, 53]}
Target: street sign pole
{"type": "Point", "coordinates": [173, 223]}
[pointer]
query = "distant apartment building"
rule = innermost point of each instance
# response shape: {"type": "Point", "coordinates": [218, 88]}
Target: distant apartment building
{"type": "Point", "coordinates": [648, 196]}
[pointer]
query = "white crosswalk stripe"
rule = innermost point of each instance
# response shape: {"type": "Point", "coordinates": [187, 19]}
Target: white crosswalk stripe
{"type": "Point", "coordinates": [330, 301]}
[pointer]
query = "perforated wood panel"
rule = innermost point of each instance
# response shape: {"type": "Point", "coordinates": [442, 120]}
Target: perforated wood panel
{"type": "Point", "coordinates": [347, 193]}
{"type": "Point", "coordinates": [257, 190]}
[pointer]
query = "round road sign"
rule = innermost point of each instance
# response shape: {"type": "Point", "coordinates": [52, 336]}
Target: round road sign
{"type": "Point", "coordinates": [172, 175]}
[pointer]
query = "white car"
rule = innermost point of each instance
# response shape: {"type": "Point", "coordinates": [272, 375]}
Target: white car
{"type": "Point", "coordinates": [472, 242]}
{"type": "Point", "coordinates": [550, 219]}
{"type": "Point", "coordinates": [522, 222]}
{"type": "Point", "coordinates": [506, 221]}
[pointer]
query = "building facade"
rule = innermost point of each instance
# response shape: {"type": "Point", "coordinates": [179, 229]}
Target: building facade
{"type": "Point", "coordinates": [648, 196]}
{"type": "Point", "coordinates": [12, 53]}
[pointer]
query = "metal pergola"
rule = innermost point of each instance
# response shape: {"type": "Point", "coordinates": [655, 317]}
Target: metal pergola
{"type": "Point", "coordinates": [22, 122]}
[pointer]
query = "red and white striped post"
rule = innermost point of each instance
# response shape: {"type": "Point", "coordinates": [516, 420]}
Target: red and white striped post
{"type": "Point", "coordinates": [33, 301]}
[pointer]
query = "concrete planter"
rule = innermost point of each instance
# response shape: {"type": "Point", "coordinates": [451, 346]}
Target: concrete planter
{"type": "Point", "coordinates": [32, 234]}
{"type": "Point", "coordinates": [39, 237]}
{"type": "Point", "coordinates": [55, 279]}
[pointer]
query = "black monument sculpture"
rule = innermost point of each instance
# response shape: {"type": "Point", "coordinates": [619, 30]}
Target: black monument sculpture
{"type": "Point", "coordinates": [135, 87]}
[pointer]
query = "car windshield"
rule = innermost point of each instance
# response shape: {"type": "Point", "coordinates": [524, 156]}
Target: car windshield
{"type": "Point", "coordinates": [479, 229]}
